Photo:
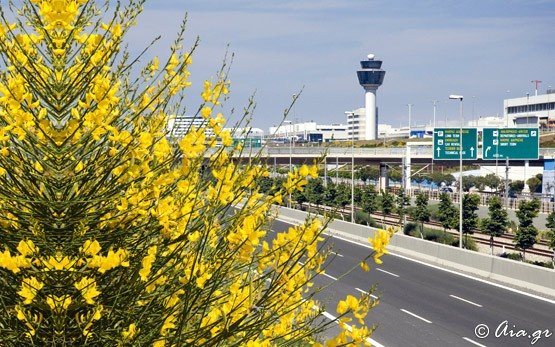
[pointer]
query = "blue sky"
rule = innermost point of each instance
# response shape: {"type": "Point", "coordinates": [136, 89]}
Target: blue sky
{"type": "Point", "coordinates": [430, 49]}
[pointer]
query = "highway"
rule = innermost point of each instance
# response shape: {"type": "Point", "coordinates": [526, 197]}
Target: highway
{"type": "Point", "coordinates": [426, 306]}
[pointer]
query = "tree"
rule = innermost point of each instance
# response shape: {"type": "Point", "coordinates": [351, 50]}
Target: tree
{"type": "Point", "coordinates": [440, 178]}
{"type": "Point", "coordinates": [493, 181]}
{"type": "Point", "coordinates": [366, 173]}
{"type": "Point", "coordinates": [470, 218]}
{"type": "Point", "coordinates": [388, 204]}
{"type": "Point", "coordinates": [421, 212]}
{"type": "Point", "coordinates": [116, 232]}
{"type": "Point", "coordinates": [402, 201]}
{"type": "Point", "coordinates": [330, 192]}
{"type": "Point", "coordinates": [526, 234]}
{"type": "Point", "coordinates": [516, 186]}
{"type": "Point", "coordinates": [496, 223]}
{"type": "Point", "coordinates": [551, 232]}
{"type": "Point", "coordinates": [447, 212]}
{"type": "Point", "coordinates": [314, 191]}
{"type": "Point", "coordinates": [369, 199]}
{"type": "Point", "coordinates": [343, 195]}
{"type": "Point", "coordinates": [395, 175]}
{"type": "Point", "coordinates": [535, 183]}
{"type": "Point", "coordinates": [299, 197]}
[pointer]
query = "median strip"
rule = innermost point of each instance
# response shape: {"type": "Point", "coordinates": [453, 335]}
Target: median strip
{"type": "Point", "coordinates": [467, 301]}
{"type": "Point", "coordinates": [473, 342]}
{"type": "Point", "coordinates": [387, 272]}
{"type": "Point", "coordinates": [417, 316]}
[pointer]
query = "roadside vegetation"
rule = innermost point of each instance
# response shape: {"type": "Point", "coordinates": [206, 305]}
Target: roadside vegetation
{"type": "Point", "coordinates": [396, 204]}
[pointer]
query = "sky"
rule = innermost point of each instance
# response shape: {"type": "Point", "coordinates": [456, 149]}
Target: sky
{"type": "Point", "coordinates": [485, 50]}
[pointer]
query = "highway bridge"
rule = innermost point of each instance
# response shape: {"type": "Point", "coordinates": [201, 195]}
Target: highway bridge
{"type": "Point", "coordinates": [419, 154]}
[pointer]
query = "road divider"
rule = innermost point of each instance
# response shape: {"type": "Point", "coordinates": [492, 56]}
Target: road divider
{"type": "Point", "coordinates": [509, 273]}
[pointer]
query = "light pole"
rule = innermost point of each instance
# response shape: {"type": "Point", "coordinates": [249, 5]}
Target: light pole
{"type": "Point", "coordinates": [353, 178]}
{"type": "Point", "coordinates": [410, 118]}
{"type": "Point", "coordinates": [351, 114]}
{"type": "Point", "coordinates": [527, 108]}
{"type": "Point", "coordinates": [548, 107]}
{"type": "Point", "coordinates": [474, 111]}
{"type": "Point", "coordinates": [435, 107]}
{"type": "Point", "coordinates": [460, 98]}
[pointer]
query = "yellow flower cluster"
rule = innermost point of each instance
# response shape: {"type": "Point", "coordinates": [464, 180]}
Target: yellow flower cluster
{"type": "Point", "coordinates": [380, 242]}
{"type": "Point", "coordinates": [116, 232]}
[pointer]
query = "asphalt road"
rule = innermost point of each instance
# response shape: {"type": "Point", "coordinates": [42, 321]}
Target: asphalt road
{"type": "Point", "coordinates": [426, 306]}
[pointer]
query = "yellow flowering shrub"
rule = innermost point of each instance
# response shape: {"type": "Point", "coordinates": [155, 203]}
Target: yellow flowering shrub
{"type": "Point", "coordinates": [113, 232]}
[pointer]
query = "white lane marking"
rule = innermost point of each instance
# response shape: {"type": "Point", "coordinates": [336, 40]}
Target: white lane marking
{"type": "Point", "coordinates": [467, 301]}
{"type": "Point", "coordinates": [387, 272]}
{"type": "Point", "coordinates": [417, 316]}
{"type": "Point", "coordinates": [473, 342]}
{"type": "Point", "coordinates": [365, 292]}
{"type": "Point", "coordinates": [325, 274]}
{"type": "Point", "coordinates": [530, 295]}
{"type": "Point", "coordinates": [332, 317]}
{"type": "Point", "coordinates": [337, 254]}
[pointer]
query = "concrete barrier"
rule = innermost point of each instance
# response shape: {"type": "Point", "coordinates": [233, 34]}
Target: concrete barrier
{"type": "Point", "coordinates": [511, 273]}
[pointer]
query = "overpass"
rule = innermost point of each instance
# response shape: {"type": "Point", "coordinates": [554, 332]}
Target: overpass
{"type": "Point", "coordinates": [414, 153]}
{"type": "Point", "coordinates": [418, 153]}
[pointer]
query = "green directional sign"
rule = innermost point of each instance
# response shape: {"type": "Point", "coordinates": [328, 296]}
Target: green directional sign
{"type": "Point", "coordinates": [511, 143]}
{"type": "Point", "coordinates": [447, 143]}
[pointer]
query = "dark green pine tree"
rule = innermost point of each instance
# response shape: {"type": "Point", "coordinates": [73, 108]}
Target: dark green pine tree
{"type": "Point", "coordinates": [447, 212]}
{"type": "Point", "coordinates": [526, 234]}
{"type": "Point", "coordinates": [496, 223]}
{"type": "Point", "coordinates": [388, 203]}
{"type": "Point", "coordinates": [470, 218]}
{"type": "Point", "coordinates": [421, 212]}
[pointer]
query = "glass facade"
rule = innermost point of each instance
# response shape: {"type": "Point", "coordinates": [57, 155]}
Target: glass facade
{"type": "Point", "coordinates": [546, 106]}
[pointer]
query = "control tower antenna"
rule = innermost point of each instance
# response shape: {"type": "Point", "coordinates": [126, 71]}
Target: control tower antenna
{"type": "Point", "coordinates": [536, 82]}
{"type": "Point", "coordinates": [370, 77]}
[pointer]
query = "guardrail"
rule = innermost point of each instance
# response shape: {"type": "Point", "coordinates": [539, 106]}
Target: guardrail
{"type": "Point", "coordinates": [508, 272]}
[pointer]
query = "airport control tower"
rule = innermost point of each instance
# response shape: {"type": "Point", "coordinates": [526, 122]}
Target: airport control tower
{"type": "Point", "coordinates": [370, 78]}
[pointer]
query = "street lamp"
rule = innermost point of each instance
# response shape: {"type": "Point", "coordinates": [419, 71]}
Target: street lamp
{"type": "Point", "coordinates": [435, 107]}
{"type": "Point", "coordinates": [410, 117]}
{"type": "Point", "coordinates": [548, 106]}
{"type": "Point", "coordinates": [527, 108]}
{"type": "Point", "coordinates": [351, 115]}
{"type": "Point", "coordinates": [460, 98]}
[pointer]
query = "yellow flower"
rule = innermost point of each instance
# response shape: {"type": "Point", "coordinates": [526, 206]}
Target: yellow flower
{"type": "Point", "coordinates": [364, 266]}
{"type": "Point", "coordinates": [130, 332]}
{"type": "Point", "coordinates": [29, 289]}
{"type": "Point", "coordinates": [26, 247]}
{"type": "Point", "coordinates": [87, 287]}
{"type": "Point", "coordinates": [91, 247]}
{"type": "Point", "coordinates": [39, 167]}
{"type": "Point", "coordinates": [79, 167]}
{"type": "Point", "coordinates": [57, 302]}
{"type": "Point", "coordinates": [379, 243]}
{"type": "Point", "coordinates": [147, 263]}
{"type": "Point", "coordinates": [206, 112]}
